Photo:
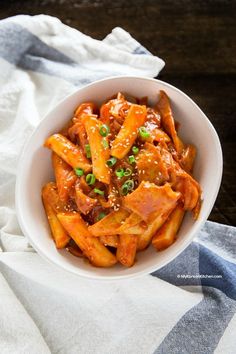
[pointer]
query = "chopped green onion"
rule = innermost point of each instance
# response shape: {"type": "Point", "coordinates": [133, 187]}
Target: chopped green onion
{"type": "Point", "coordinates": [79, 171]}
{"type": "Point", "coordinates": [104, 130]}
{"type": "Point", "coordinates": [120, 172]}
{"type": "Point", "coordinates": [127, 187]}
{"type": "Point", "coordinates": [101, 216]}
{"type": "Point", "coordinates": [124, 190]}
{"type": "Point", "coordinates": [127, 172]}
{"type": "Point", "coordinates": [143, 132]}
{"type": "Point", "coordinates": [88, 151]}
{"type": "Point", "coordinates": [135, 150]}
{"type": "Point", "coordinates": [111, 162]}
{"type": "Point", "coordinates": [105, 143]}
{"type": "Point", "coordinates": [98, 191]}
{"type": "Point", "coordinates": [90, 179]}
{"type": "Point", "coordinates": [131, 159]}
{"type": "Point", "coordinates": [130, 184]}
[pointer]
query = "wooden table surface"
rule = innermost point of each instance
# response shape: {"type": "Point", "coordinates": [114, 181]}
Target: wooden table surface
{"type": "Point", "coordinates": [197, 41]}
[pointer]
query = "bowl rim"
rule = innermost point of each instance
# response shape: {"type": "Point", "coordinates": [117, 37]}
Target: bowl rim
{"type": "Point", "coordinates": [196, 227]}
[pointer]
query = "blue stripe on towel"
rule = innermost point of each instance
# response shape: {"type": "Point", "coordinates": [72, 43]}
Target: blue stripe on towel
{"type": "Point", "coordinates": [200, 329]}
{"type": "Point", "coordinates": [187, 263]}
{"type": "Point", "coordinates": [212, 264]}
{"type": "Point", "coordinates": [28, 52]}
{"type": "Point", "coordinates": [141, 50]}
{"type": "Point", "coordinates": [22, 48]}
{"type": "Point", "coordinates": [198, 260]}
{"type": "Point", "coordinates": [222, 238]}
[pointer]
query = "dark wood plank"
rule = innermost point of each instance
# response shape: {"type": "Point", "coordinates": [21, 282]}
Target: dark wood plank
{"type": "Point", "coordinates": [197, 41]}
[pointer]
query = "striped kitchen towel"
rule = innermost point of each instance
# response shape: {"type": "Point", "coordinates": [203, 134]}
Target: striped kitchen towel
{"type": "Point", "coordinates": [186, 307]}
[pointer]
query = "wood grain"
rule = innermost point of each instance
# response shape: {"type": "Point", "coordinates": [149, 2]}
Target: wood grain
{"type": "Point", "coordinates": [197, 41]}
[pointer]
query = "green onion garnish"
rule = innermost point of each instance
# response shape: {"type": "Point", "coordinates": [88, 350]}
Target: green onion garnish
{"type": "Point", "coordinates": [105, 143]}
{"type": "Point", "coordinates": [111, 162]}
{"type": "Point", "coordinates": [130, 184]}
{"type": "Point", "coordinates": [88, 151]}
{"type": "Point", "coordinates": [131, 159]}
{"type": "Point", "coordinates": [135, 150]}
{"type": "Point", "coordinates": [127, 187]}
{"type": "Point", "coordinates": [124, 190]}
{"type": "Point", "coordinates": [120, 172]}
{"type": "Point", "coordinates": [90, 179]}
{"type": "Point", "coordinates": [101, 216]}
{"type": "Point", "coordinates": [98, 191]}
{"type": "Point", "coordinates": [127, 172]}
{"type": "Point", "coordinates": [104, 130]}
{"type": "Point", "coordinates": [79, 171]}
{"type": "Point", "coordinates": [143, 132]}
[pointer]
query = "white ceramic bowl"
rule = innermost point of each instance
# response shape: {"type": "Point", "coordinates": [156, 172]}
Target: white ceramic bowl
{"type": "Point", "coordinates": [35, 170]}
